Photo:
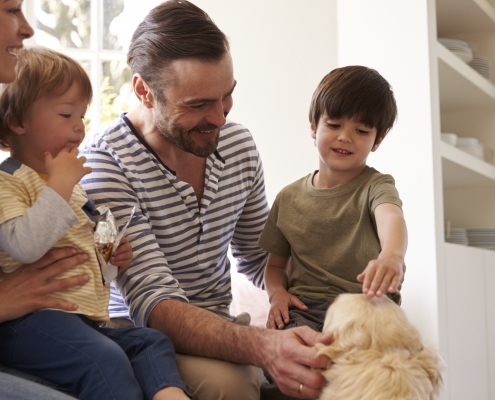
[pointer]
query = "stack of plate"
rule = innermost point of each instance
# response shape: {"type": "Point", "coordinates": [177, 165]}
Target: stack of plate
{"type": "Point", "coordinates": [457, 236]}
{"type": "Point", "coordinates": [459, 48]}
{"type": "Point", "coordinates": [472, 146]}
{"type": "Point", "coordinates": [481, 237]}
{"type": "Point", "coordinates": [481, 65]}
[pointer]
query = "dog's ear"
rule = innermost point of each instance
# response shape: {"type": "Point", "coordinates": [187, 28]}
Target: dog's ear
{"type": "Point", "coordinates": [433, 365]}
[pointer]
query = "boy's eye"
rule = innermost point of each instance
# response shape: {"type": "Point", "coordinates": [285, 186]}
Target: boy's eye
{"type": "Point", "coordinates": [362, 132]}
{"type": "Point", "coordinates": [15, 11]}
{"type": "Point", "coordinates": [333, 126]}
{"type": "Point", "coordinates": [65, 115]}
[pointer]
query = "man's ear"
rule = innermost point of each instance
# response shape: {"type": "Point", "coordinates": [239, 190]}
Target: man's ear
{"type": "Point", "coordinates": [16, 127]}
{"type": "Point", "coordinates": [378, 142]}
{"type": "Point", "coordinates": [142, 91]}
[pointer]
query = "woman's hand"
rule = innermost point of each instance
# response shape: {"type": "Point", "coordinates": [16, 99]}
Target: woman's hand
{"type": "Point", "coordinates": [25, 290]}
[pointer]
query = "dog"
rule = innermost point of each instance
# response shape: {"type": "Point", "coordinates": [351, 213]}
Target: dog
{"type": "Point", "coordinates": [376, 354]}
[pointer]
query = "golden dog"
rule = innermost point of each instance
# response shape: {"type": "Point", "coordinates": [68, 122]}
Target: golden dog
{"type": "Point", "coordinates": [376, 353]}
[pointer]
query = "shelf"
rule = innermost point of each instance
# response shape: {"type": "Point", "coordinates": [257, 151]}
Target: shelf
{"type": "Point", "coordinates": [461, 87]}
{"type": "Point", "coordinates": [459, 16]}
{"type": "Point", "coordinates": [461, 169]}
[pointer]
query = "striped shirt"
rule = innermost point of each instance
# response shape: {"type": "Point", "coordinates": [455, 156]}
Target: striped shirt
{"type": "Point", "coordinates": [23, 190]}
{"type": "Point", "coordinates": [180, 249]}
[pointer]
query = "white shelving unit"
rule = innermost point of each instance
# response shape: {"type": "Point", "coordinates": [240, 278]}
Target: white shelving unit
{"type": "Point", "coordinates": [448, 290]}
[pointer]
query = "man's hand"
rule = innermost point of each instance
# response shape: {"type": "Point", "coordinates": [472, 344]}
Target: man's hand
{"type": "Point", "coordinates": [385, 274]}
{"type": "Point", "coordinates": [122, 256]}
{"type": "Point", "coordinates": [280, 302]}
{"type": "Point", "coordinates": [292, 361]}
{"type": "Point", "coordinates": [25, 290]}
{"type": "Point", "coordinates": [65, 170]}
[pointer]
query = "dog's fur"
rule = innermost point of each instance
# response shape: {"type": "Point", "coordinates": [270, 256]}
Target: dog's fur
{"type": "Point", "coordinates": [376, 353]}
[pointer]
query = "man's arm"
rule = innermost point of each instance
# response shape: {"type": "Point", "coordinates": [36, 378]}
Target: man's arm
{"type": "Point", "coordinates": [288, 356]}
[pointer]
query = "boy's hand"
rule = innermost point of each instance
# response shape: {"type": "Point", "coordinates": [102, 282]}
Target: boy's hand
{"type": "Point", "coordinates": [280, 302]}
{"type": "Point", "coordinates": [385, 274]}
{"type": "Point", "coordinates": [122, 257]}
{"type": "Point", "coordinates": [65, 171]}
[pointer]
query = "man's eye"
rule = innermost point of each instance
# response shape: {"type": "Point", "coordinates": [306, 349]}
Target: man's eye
{"type": "Point", "coordinates": [198, 106]}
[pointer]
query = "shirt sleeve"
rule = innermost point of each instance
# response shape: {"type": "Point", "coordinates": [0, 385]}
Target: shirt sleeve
{"type": "Point", "coordinates": [382, 191]}
{"type": "Point", "coordinates": [25, 237]}
{"type": "Point", "coordinates": [272, 238]}
{"type": "Point", "coordinates": [148, 280]}
{"type": "Point", "coordinates": [251, 258]}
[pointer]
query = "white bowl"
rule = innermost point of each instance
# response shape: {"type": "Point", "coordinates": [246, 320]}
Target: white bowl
{"type": "Point", "coordinates": [467, 141]}
{"type": "Point", "coordinates": [450, 138]}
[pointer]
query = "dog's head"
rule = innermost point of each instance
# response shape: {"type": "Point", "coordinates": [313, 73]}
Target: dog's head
{"type": "Point", "coordinates": [377, 353]}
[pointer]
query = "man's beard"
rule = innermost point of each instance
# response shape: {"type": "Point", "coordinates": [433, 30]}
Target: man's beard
{"type": "Point", "coordinates": [181, 137]}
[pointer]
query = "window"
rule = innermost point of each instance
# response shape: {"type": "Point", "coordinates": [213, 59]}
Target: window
{"type": "Point", "coordinates": [96, 33]}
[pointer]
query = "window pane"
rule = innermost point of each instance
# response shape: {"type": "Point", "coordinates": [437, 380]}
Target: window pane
{"type": "Point", "coordinates": [117, 95]}
{"type": "Point", "coordinates": [112, 24]}
{"type": "Point", "coordinates": [63, 23]}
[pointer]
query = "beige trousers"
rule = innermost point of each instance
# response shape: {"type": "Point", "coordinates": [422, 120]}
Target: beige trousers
{"type": "Point", "coordinates": [211, 379]}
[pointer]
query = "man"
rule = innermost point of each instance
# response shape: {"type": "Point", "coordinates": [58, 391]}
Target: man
{"type": "Point", "coordinates": [197, 183]}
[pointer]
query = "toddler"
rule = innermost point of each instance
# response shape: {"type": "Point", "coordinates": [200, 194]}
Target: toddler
{"type": "Point", "coordinates": [42, 206]}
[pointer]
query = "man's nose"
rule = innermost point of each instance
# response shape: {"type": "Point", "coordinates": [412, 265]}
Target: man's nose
{"type": "Point", "coordinates": [216, 114]}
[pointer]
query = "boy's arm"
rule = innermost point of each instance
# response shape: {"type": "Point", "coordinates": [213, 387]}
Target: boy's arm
{"type": "Point", "coordinates": [276, 283]}
{"type": "Point", "coordinates": [28, 237]}
{"type": "Point", "coordinates": [386, 272]}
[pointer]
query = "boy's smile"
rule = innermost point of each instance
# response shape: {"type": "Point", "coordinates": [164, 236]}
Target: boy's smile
{"type": "Point", "coordinates": [53, 123]}
{"type": "Point", "coordinates": [344, 145]}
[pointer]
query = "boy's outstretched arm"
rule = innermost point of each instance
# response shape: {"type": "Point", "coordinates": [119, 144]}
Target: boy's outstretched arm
{"type": "Point", "coordinates": [276, 282]}
{"type": "Point", "coordinates": [385, 274]}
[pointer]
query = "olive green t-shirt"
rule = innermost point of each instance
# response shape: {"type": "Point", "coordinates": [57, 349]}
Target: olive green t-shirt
{"type": "Point", "coordinates": [329, 233]}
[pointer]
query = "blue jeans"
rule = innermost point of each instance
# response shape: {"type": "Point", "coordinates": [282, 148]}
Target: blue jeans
{"type": "Point", "coordinates": [15, 388]}
{"type": "Point", "coordinates": [92, 362]}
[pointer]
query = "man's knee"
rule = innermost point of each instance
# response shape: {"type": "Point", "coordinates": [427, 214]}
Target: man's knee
{"type": "Point", "coordinates": [210, 379]}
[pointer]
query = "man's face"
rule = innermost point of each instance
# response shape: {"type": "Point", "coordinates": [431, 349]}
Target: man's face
{"type": "Point", "coordinates": [197, 101]}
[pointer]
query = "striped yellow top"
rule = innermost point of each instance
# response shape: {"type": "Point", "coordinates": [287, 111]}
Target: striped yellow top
{"type": "Point", "coordinates": [19, 191]}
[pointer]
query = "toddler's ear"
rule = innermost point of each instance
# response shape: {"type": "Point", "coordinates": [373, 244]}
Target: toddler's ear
{"type": "Point", "coordinates": [17, 127]}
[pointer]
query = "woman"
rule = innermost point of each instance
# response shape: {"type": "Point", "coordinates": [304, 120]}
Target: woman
{"type": "Point", "coordinates": [25, 290]}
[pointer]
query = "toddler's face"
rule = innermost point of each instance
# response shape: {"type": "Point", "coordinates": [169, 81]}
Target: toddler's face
{"type": "Point", "coordinates": [52, 124]}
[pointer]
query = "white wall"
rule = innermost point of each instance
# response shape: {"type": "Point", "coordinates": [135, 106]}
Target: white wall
{"type": "Point", "coordinates": [398, 48]}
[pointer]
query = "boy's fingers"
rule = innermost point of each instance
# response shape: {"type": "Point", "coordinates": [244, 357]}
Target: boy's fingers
{"type": "Point", "coordinates": [377, 280]}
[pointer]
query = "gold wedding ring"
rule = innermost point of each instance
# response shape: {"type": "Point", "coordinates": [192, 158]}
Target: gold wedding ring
{"type": "Point", "coordinates": [300, 388]}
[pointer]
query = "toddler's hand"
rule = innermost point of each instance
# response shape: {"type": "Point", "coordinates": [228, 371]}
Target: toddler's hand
{"type": "Point", "coordinates": [280, 302]}
{"type": "Point", "coordinates": [66, 168]}
{"type": "Point", "coordinates": [122, 257]}
{"type": "Point", "coordinates": [385, 274]}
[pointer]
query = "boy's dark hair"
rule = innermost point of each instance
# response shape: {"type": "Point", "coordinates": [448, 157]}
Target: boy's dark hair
{"type": "Point", "coordinates": [358, 93]}
{"type": "Point", "coordinates": [175, 29]}
{"type": "Point", "coordinates": [41, 72]}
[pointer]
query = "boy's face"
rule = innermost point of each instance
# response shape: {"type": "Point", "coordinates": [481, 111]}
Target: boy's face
{"type": "Point", "coordinates": [344, 145]}
{"type": "Point", "coordinates": [52, 124]}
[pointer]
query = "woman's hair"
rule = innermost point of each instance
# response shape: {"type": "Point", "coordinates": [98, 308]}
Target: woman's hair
{"type": "Point", "coordinates": [175, 29]}
{"type": "Point", "coordinates": [357, 93]}
{"type": "Point", "coordinates": [41, 72]}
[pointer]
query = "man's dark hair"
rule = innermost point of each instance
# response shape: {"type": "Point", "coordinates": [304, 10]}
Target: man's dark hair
{"type": "Point", "coordinates": [357, 93]}
{"type": "Point", "coordinates": [175, 29]}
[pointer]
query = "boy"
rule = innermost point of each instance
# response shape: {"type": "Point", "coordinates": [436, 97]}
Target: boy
{"type": "Point", "coordinates": [331, 223]}
{"type": "Point", "coordinates": [42, 206]}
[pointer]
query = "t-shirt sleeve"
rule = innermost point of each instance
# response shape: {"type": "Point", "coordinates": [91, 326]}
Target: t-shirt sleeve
{"type": "Point", "coordinates": [382, 191]}
{"type": "Point", "coordinates": [272, 238]}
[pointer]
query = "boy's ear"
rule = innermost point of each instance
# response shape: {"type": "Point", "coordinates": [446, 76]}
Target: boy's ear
{"type": "Point", "coordinates": [378, 142]}
{"type": "Point", "coordinates": [313, 130]}
{"type": "Point", "coordinates": [16, 127]}
{"type": "Point", "coordinates": [142, 91]}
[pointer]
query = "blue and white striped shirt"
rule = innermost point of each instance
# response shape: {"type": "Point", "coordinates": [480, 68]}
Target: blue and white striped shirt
{"type": "Point", "coordinates": [180, 249]}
